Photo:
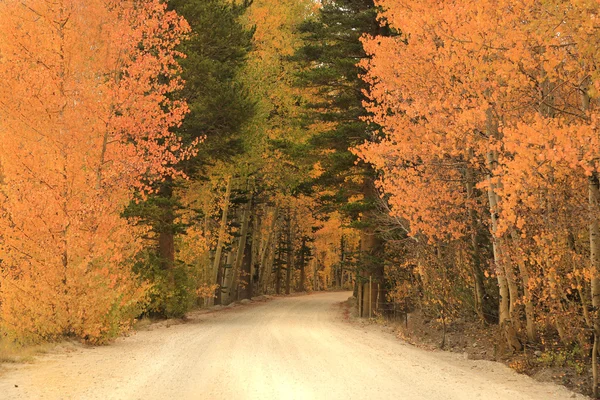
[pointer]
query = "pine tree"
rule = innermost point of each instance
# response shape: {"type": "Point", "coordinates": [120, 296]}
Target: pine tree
{"type": "Point", "coordinates": [330, 57]}
{"type": "Point", "coordinates": [219, 107]}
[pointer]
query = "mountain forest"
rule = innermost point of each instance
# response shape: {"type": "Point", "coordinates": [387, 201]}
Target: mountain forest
{"type": "Point", "coordinates": [440, 160]}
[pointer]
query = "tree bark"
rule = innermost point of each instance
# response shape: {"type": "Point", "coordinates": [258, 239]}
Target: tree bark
{"type": "Point", "coordinates": [594, 202]}
{"type": "Point", "coordinates": [525, 277]}
{"type": "Point", "coordinates": [278, 269]}
{"type": "Point", "coordinates": [316, 274]}
{"type": "Point", "coordinates": [476, 267]}
{"type": "Point", "coordinates": [222, 278]}
{"type": "Point", "coordinates": [290, 253]}
{"type": "Point", "coordinates": [217, 271]}
{"type": "Point", "coordinates": [342, 254]}
{"type": "Point", "coordinates": [241, 249]}
{"type": "Point", "coordinates": [256, 246]}
{"type": "Point", "coordinates": [302, 266]}
{"type": "Point", "coordinates": [270, 265]}
{"type": "Point", "coordinates": [166, 235]}
{"type": "Point", "coordinates": [267, 252]}
{"type": "Point", "coordinates": [372, 254]}
{"type": "Point", "coordinates": [506, 301]}
{"type": "Point", "coordinates": [244, 285]}
{"type": "Point", "coordinates": [594, 233]}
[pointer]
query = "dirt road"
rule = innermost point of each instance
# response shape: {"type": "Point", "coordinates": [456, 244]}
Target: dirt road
{"type": "Point", "coordinates": [289, 348]}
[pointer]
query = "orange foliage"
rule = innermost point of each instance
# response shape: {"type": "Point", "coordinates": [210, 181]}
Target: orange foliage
{"type": "Point", "coordinates": [85, 116]}
{"type": "Point", "coordinates": [502, 95]}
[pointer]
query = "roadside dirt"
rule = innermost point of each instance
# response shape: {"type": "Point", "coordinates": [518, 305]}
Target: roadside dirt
{"type": "Point", "coordinates": [547, 362]}
{"type": "Point", "coordinates": [289, 348]}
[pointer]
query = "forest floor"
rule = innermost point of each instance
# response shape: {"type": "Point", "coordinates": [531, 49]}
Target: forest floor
{"type": "Point", "coordinates": [290, 348]}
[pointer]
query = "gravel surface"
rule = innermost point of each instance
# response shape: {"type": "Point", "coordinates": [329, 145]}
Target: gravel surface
{"type": "Point", "coordinates": [288, 348]}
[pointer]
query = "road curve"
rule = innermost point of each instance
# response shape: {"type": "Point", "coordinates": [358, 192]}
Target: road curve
{"type": "Point", "coordinates": [288, 348]}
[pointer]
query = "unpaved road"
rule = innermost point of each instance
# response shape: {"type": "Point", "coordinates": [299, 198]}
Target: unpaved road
{"type": "Point", "coordinates": [289, 348]}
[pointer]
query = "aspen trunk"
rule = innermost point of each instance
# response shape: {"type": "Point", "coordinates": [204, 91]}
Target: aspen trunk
{"type": "Point", "coordinates": [594, 201]}
{"type": "Point", "coordinates": [241, 250]}
{"type": "Point", "coordinates": [547, 110]}
{"type": "Point", "coordinates": [443, 301]}
{"type": "Point", "coordinates": [270, 265]}
{"type": "Point", "coordinates": [558, 297]}
{"type": "Point", "coordinates": [595, 364]}
{"type": "Point", "coordinates": [508, 267]}
{"type": "Point", "coordinates": [594, 233]}
{"type": "Point", "coordinates": [290, 253]}
{"type": "Point", "coordinates": [256, 246]}
{"type": "Point", "coordinates": [505, 306]}
{"type": "Point", "coordinates": [556, 293]}
{"type": "Point", "coordinates": [302, 271]}
{"type": "Point", "coordinates": [65, 177]}
{"type": "Point", "coordinates": [267, 251]}
{"type": "Point", "coordinates": [477, 270]}
{"type": "Point", "coordinates": [525, 277]}
{"type": "Point", "coordinates": [222, 273]}
{"type": "Point", "coordinates": [278, 269]}
{"type": "Point", "coordinates": [513, 290]}
{"type": "Point", "coordinates": [316, 274]}
{"type": "Point", "coordinates": [372, 254]}
{"type": "Point", "coordinates": [208, 261]}
{"type": "Point", "coordinates": [166, 236]}
{"type": "Point", "coordinates": [581, 289]}
{"type": "Point", "coordinates": [245, 291]}
{"type": "Point", "coordinates": [216, 268]}
{"type": "Point", "coordinates": [341, 281]}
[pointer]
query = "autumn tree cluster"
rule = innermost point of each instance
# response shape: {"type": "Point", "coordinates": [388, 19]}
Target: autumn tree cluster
{"type": "Point", "coordinates": [439, 157]}
{"type": "Point", "coordinates": [260, 233]}
{"type": "Point", "coordinates": [86, 117]}
{"type": "Point", "coordinates": [145, 165]}
{"type": "Point", "coordinates": [489, 160]}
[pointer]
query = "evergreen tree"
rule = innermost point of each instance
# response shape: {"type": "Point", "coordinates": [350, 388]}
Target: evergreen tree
{"type": "Point", "coordinates": [330, 58]}
{"type": "Point", "coordinates": [219, 105]}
